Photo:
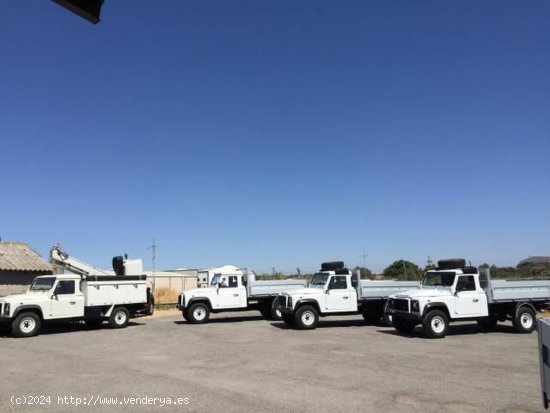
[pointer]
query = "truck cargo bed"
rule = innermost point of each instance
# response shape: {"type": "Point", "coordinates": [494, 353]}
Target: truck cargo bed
{"type": "Point", "coordinates": [376, 289]}
{"type": "Point", "coordinates": [108, 291]}
{"type": "Point", "coordinates": [274, 287]}
{"type": "Point", "coordinates": [519, 290]}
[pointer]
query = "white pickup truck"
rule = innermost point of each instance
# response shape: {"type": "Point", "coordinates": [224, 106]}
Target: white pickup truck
{"type": "Point", "coordinates": [456, 292]}
{"type": "Point", "coordinates": [235, 292]}
{"type": "Point", "coordinates": [336, 291]}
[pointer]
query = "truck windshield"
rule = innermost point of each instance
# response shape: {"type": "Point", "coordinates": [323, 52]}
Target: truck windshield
{"type": "Point", "coordinates": [42, 284]}
{"type": "Point", "coordinates": [319, 280]}
{"type": "Point", "coordinates": [435, 278]}
{"type": "Point", "coordinates": [215, 281]}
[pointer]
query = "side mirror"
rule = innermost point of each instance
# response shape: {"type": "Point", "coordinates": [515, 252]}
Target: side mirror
{"type": "Point", "coordinates": [327, 290]}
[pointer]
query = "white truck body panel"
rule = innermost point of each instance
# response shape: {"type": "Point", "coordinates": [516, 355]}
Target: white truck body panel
{"type": "Point", "coordinates": [273, 287]}
{"type": "Point", "coordinates": [114, 292]}
{"type": "Point", "coordinates": [371, 289]}
{"type": "Point", "coordinates": [519, 289]}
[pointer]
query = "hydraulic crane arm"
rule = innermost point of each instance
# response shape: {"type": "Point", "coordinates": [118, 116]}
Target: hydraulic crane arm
{"type": "Point", "coordinates": [63, 261]}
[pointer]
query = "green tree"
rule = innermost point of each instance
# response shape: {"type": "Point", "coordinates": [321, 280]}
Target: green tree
{"type": "Point", "coordinates": [365, 272]}
{"type": "Point", "coordinates": [429, 267]}
{"type": "Point", "coordinates": [403, 270]}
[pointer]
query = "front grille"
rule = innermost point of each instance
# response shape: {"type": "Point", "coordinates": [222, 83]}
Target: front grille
{"type": "Point", "coordinates": [401, 304]}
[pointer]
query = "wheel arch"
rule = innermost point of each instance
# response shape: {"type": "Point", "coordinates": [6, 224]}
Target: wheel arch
{"type": "Point", "coordinates": [29, 309]}
{"type": "Point", "coordinates": [436, 306]}
{"type": "Point", "coordinates": [197, 301]}
{"type": "Point", "coordinates": [310, 302]}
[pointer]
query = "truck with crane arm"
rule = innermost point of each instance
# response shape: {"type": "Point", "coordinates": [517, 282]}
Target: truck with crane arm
{"type": "Point", "coordinates": [456, 292]}
{"type": "Point", "coordinates": [87, 294]}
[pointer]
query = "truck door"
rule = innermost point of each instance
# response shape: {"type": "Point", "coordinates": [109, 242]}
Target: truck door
{"type": "Point", "coordinates": [469, 300]}
{"type": "Point", "coordinates": [67, 301]}
{"type": "Point", "coordinates": [544, 359]}
{"type": "Point", "coordinates": [230, 294]}
{"type": "Point", "coordinates": [340, 296]}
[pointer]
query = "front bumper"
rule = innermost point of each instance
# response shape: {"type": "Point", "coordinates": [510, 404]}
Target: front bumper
{"type": "Point", "coordinates": [404, 314]}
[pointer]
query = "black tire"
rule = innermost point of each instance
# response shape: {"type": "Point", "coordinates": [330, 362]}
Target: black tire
{"type": "Point", "coordinates": [332, 266]}
{"type": "Point", "coordinates": [26, 325]}
{"type": "Point", "coordinates": [487, 323]}
{"type": "Point", "coordinates": [306, 317]}
{"type": "Point", "coordinates": [387, 319]}
{"type": "Point", "coordinates": [275, 312]}
{"type": "Point", "coordinates": [403, 326]}
{"type": "Point", "coordinates": [93, 322]}
{"type": "Point", "coordinates": [185, 316]}
{"type": "Point", "coordinates": [198, 313]}
{"type": "Point", "coordinates": [288, 319]}
{"type": "Point", "coordinates": [451, 264]}
{"type": "Point", "coordinates": [150, 305]}
{"type": "Point", "coordinates": [524, 320]}
{"type": "Point", "coordinates": [435, 324]}
{"type": "Point", "coordinates": [119, 318]}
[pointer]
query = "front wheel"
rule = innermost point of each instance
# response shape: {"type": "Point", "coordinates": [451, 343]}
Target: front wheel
{"type": "Point", "coordinates": [435, 324]}
{"type": "Point", "coordinates": [119, 318]}
{"type": "Point", "coordinates": [288, 319]}
{"type": "Point", "coordinates": [26, 325]}
{"type": "Point", "coordinates": [524, 322]}
{"type": "Point", "coordinates": [306, 318]}
{"type": "Point", "coordinates": [198, 313]}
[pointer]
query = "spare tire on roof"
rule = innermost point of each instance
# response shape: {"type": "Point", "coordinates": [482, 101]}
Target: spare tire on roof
{"type": "Point", "coordinates": [332, 266]}
{"type": "Point", "coordinates": [451, 264]}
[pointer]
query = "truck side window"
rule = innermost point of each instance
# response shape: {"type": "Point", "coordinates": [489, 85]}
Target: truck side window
{"type": "Point", "coordinates": [233, 281]}
{"type": "Point", "coordinates": [465, 283]}
{"type": "Point", "coordinates": [338, 282]}
{"type": "Point", "coordinates": [65, 287]}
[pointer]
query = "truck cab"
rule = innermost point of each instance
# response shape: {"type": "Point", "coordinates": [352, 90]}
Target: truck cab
{"type": "Point", "coordinates": [443, 295]}
{"type": "Point", "coordinates": [226, 292]}
{"type": "Point", "coordinates": [332, 291]}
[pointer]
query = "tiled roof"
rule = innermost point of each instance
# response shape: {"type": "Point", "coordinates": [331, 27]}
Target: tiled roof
{"type": "Point", "coordinates": [18, 256]}
{"type": "Point", "coordinates": [535, 260]}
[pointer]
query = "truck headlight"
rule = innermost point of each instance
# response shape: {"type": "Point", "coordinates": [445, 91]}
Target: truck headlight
{"type": "Point", "coordinates": [415, 308]}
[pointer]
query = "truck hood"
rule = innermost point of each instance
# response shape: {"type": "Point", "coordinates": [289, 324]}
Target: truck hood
{"type": "Point", "coordinates": [200, 292]}
{"type": "Point", "coordinates": [424, 293]}
{"type": "Point", "coordinates": [24, 298]}
{"type": "Point", "coordinates": [304, 291]}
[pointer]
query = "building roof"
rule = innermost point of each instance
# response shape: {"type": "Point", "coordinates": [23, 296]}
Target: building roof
{"type": "Point", "coordinates": [18, 256]}
{"type": "Point", "coordinates": [535, 260]}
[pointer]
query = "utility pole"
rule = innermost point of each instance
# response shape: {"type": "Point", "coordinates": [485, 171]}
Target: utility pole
{"type": "Point", "coordinates": [429, 262]}
{"type": "Point", "coordinates": [153, 249]}
{"type": "Point", "coordinates": [364, 256]}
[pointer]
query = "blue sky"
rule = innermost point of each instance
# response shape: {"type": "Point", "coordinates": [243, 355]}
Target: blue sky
{"type": "Point", "coordinates": [277, 133]}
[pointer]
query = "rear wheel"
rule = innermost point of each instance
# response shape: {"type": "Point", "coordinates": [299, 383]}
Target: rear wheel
{"type": "Point", "coordinates": [435, 324]}
{"type": "Point", "coordinates": [306, 318]}
{"type": "Point", "coordinates": [198, 313]}
{"type": "Point", "coordinates": [26, 325]}
{"type": "Point", "coordinates": [524, 320]}
{"type": "Point", "coordinates": [403, 326]}
{"type": "Point", "coordinates": [275, 312]}
{"type": "Point", "coordinates": [119, 318]}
